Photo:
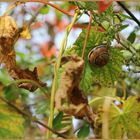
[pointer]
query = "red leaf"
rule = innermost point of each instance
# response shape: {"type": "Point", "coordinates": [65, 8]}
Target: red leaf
{"type": "Point", "coordinates": [61, 24]}
{"type": "Point", "coordinates": [37, 25]}
{"type": "Point", "coordinates": [103, 5]}
{"type": "Point", "coordinates": [48, 49]}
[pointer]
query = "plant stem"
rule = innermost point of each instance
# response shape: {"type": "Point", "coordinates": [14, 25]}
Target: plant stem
{"type": "Point", "coordinates": [11, 7]}
{"type": "Point", "coordinates": [129, 12]}
{"type": "Point", "coordinates": [56, 67]}
{"type": "Point", "coordinates": [30, 117]}
{"type": "Point", "coordinates": [87, 34]}
{"type": "Point", "coordinates": [30, 81]}
{"type": "Point", "coordinates": [105, 118]}
{"type": "Point", "coordinates": [41, 1]}
{"type": "Point", "coordinates": [50, 4]}
{"type": "Point", "coordinates": [124, 90]}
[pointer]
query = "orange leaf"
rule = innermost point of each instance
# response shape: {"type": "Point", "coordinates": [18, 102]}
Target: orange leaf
{"type": "Point", "coordinates": [37, 25]}
{"type": "Point", "coordinates": [48, 49]}
{"type": "Point", "coordinates": [103, 5]}
{"type": "Point", "coordinates": [61, 25]}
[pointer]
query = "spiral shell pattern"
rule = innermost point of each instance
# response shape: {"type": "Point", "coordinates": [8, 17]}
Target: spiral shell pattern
{"type": "Point", "coordinates": [99, 56]}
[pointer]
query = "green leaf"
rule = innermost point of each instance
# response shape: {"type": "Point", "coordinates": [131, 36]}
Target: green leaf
{"type": "Point", "coordinates": [122, 121]}
{"type": "Point", "coordinates": [106, 75]}
{"type": "Point", "coordinates": [132, 37]}
{"type": "Point", "coordinates": [124, 17]}
{"type": "Point", "coordinates": [4, 78]}
{"type": "Point", "coordinates": [86, 5]}
{"type": "Point", "coordinates": [137, 46]}
{"type": "Point", "coordinates": [126, 120]}
{"type": "Point", "coordinates": [21, 55]}
{"type": "Point", "coordinates": [132, 113]}
{"type": "Point", "coordinates": [44, 10]}
{"type": "Point", "coordinates": [11, 92]}
{"type": "Point", "coordinates": [123, 27]}
{"type": "Point", "coordinates": [58, 121]}
{"type": "Point", "coordinates": [84, 131]}
{"type": "Point", "coordinates": [12, 124]}
{"type": "Point", "coordinates": [5, 133]}
{"type": "Point", "coordinates": [42, 107]}
{"type": "Point", "coordinates": [86, 81]}
{"type": "Point", "coordinates": [127, 54]}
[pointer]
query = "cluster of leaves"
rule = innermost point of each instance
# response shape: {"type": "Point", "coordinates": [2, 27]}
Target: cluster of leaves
{"type": "Point", "coordinates": [120, 124]}
{"type": "Point", "coordinates": [12, 124]}
{"type": "Point", "coordinates": [122, 117]}
{"type": "Point", "coordinates": [106, 75]}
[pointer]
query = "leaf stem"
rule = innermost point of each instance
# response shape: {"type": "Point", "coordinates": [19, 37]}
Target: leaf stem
{"type": "Point", "coordinates": [12, 6]}
{"type": "Point", "coordinates": [124, 90]}
{"type": "Point", "coordinates": [56, 67]}
{"type": "Point", "coordinates": [87, 34]}
{"type": "Point", "coordinates": [32, 82]}
{"type": "Point", "coordinates": [105, 118]}
{"type": "Point", "coordinates": [30, 117]}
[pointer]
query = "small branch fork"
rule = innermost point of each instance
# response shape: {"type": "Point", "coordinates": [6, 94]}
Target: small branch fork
{"type": "Point", "coordinates": [30, 117]}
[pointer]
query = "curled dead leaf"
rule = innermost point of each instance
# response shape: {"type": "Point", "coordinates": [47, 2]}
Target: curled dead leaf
{"type": "Point", "coordinates": [8, 27]}
{"type": "Point", "coordinates": [8, 36]}
{"type": "Point", "coordinates": [9, 60]}
{"type": "Point", "coordinates": [17, 74]}
{"type": "Point", "coordinates": [69, 97]}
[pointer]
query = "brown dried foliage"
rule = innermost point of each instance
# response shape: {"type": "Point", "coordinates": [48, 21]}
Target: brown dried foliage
{"type": "Point", "coordinates": [17, 74]}
{"type": "Point", "coordinates": [69, 97]}
{"type": "Point", "coordinates": [9, 34]}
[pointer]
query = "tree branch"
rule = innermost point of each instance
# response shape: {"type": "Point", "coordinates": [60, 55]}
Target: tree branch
{"type": "Point", "coordinates": [30, 117]}
{"type": "Point", "coordinates": [129, 12]}
{"type": "Point", "coordinates": [18, 2]}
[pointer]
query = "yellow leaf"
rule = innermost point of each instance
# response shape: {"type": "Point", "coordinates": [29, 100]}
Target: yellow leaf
{"type": "Point", "coordinates": [25, 33]}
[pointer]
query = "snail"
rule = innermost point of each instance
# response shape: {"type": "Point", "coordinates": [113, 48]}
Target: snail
{"type": "Point", "coordinates": [99, 56]}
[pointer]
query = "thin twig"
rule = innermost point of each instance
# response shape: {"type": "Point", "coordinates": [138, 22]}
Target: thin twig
{"type": "Point", "coordinates": [41, 1]}
{"type": "Point", "coordinates": [125, 43]}
{"type": "Point", "coordinates": [124, 90]}
{"type": "Point", "coordinates": [129, 12]}
{"type": "Point", "coordinates": [33, 18]}
{"type": "Point", "coordinates": [30, 117]}
{"type": "Point", "coordinates": [94, 17]}
{"type": "Point", "coordinates": [12, 6]}
{"type": "Point", "coordinates": [87, 34]}
{"type": "Point", "coordinates": [32, 82]}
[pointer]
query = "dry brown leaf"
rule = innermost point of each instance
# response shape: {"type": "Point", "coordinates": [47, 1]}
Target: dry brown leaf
{"type": "Point", "coordinates": [17, 74]}
{"type": "Point", "coordinates": [8, 36]}
{"type": "Point", "coordinates": [76, 102]}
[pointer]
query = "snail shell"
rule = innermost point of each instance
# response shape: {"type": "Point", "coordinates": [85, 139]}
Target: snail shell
{"type": "Point", "coordinates": [99, 56]}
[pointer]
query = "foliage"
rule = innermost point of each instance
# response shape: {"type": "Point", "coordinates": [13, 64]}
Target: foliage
{"type": "Point", "coordinates": [84, 131]}
{"type": "Point", "coordinates": [124, 118]}
{"type": "Point", "coordinates": [105, 75]}
{"type": "Point", "coordinates": [12, 124]}
{"type": "Point", "coordinates": [38, 68]}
